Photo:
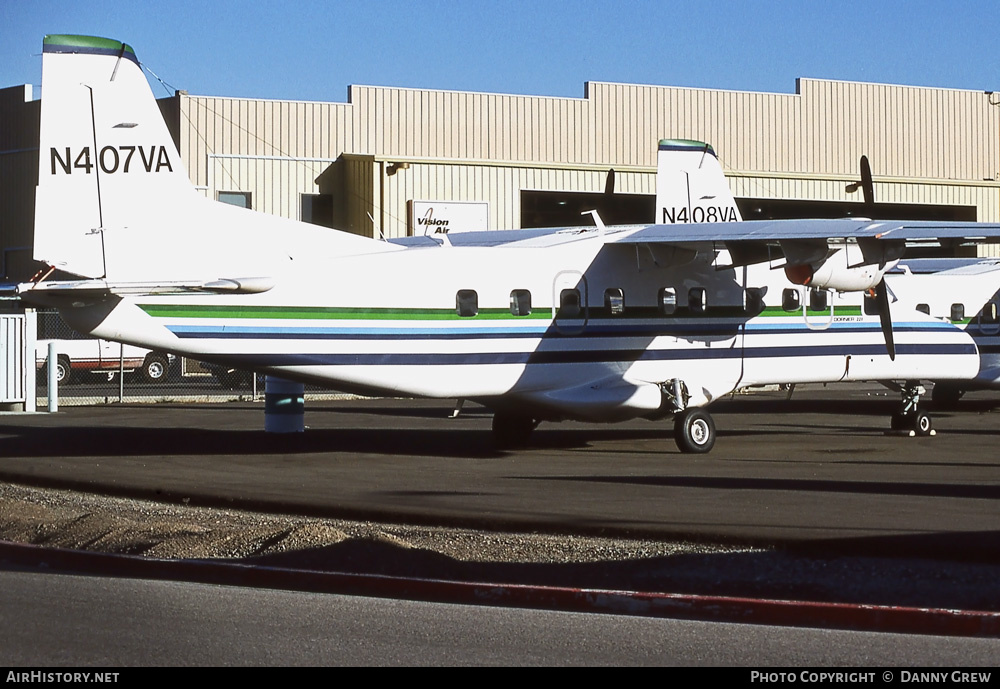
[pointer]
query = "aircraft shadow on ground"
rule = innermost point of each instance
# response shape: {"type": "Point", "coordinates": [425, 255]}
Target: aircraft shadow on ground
{"type": "Point", "coordinates": [756, 485]}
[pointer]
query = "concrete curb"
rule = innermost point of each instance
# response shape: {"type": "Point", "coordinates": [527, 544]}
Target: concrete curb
{"type": "Point", "coordinates": [669, 605]}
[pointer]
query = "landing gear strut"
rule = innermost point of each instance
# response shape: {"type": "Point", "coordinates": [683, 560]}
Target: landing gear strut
{"type": "Point", "coordinates": [910, 417]}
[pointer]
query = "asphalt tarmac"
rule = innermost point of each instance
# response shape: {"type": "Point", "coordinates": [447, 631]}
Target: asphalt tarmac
{"type": "Point", "coordinates": [818, 476]}
{"type": "Point", "coordinates": [818, 467]}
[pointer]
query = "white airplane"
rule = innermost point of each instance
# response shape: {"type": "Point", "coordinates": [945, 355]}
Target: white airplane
{"type": "Point", "coordinates": [935, 284]}
{"type": "Point", "coordinates": [598, 324]}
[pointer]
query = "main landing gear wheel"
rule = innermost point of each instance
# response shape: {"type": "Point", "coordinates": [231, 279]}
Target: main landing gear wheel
{"type": "Point", "coordinates": [917, 423]}
{"type": "Point", "coordinates": [911, 418]}
{"type": "Point", "coordinates": [922, 423]}
{"type": "Point", "coordinates": [512, 430]}
{"type": "Point", "coordinates": [694, 431]}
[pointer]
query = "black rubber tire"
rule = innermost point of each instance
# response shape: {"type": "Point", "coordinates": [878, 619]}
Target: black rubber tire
{"type": "Point", "coordinates": [155, 368]}
{"type": "Point", "coordinates": [64, 370]}
{"type": "Point", "coordinates": [921, 423]}
{"type": "Point", "coordinates": [694, 431]}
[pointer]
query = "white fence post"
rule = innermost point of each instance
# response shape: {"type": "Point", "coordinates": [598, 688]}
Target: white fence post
{"type": "Point", "coordinates": [53, 366]}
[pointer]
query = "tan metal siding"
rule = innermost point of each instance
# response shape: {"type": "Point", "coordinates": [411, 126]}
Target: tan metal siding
{"type": "Point", "coordinates": [230, 126]}
{"type": "Point", "coordinates": [906, 131]}
{"type": "Point", "coordinates": [498, 185]}
{"type": "Point", "coordinates": [934, 135]}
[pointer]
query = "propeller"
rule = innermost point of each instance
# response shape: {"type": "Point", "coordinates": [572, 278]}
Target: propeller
{"type": "Point", "coordinates": [867, 186]}
{"type": "Point", "coordinates": [881, 292]}
{"type": "Point", "coordinates": [882, 302]}
{"type": "Point", "coordinates": [609, 184]}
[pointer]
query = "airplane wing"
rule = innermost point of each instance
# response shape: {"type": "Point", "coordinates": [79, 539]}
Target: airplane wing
{"type": "Point", "coordinates": [701, 235]}
{"type": "Point", "coordinates": [769, 231]}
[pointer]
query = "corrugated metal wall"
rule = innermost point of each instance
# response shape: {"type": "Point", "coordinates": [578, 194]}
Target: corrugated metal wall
{"type": "Point", "coordinates": [19, 119]}
{"type": "Point", "coordinates": [500, 185]}
{"type": "Point", "coordinates": [926, 145]}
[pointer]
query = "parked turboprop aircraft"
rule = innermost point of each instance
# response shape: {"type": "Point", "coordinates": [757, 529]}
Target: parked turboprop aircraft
{"type": "Point", "coordinates": [936, 286]}
{"type": "Point", "coordinates": [597, 324]}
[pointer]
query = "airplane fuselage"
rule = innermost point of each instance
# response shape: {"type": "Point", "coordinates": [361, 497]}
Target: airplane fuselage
{"type": "Point", "coordinates": [574, 329]}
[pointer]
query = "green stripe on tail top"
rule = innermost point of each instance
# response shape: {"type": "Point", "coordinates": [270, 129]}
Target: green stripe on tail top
{"type": "Point", "coordinates": [66, 43]}
{"type": "Point", "coordinates": [685, 145]}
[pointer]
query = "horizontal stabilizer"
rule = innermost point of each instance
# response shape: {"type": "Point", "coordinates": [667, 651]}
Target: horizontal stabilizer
{"type": "Point", "coordinates": [56, 293]}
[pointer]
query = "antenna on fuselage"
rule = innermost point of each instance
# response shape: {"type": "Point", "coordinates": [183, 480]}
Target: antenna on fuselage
{"type": "Point", "coordinates": [597, 220]}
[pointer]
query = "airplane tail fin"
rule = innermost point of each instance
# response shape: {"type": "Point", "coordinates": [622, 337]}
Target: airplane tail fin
{"type": "Point", "coordinates": [690, 185]}
{"type": "Point", "coordinates": [107, 162]}
{"type": "Point", "coordinates": [114, 200]}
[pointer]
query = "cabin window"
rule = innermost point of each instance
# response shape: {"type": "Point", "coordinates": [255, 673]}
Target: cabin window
{"type": "Point", "coordinates": [668, 300]}
{"type": "Point", "coordinates": [753, 301]}
{"type": "Point", "coordinates": [467, 303]}
{"type": "Point", "coordinates": [989, 314]}
{"type": "Point", "coordinates": [790, 299]}
{"type": "Point", "coordinates": [819, 299]}
{"type": "Point", "coordinates": [957, 312]}
{"type": "Point", "coordinates": [924, 308]}
{"type": "Point", "coordinates": [614, 301]}
{"type": "Point", "coordinates": [520, 302]}
{"type": "Point", "coordinates": [569, 303]}
{"type": "Point", "coordinates": [697, 300]}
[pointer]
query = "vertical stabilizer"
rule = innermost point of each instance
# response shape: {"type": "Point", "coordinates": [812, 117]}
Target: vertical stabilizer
{"type": "Point", "coordinates": [690, 185]}
{"type": "Point", "coordinates": [106, 159]}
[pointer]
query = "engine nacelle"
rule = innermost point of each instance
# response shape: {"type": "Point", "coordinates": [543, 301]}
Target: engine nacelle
{"type": "Point", "coordinates": [842, 278]}
{"type": "Point", "coordinates": [848, 269]}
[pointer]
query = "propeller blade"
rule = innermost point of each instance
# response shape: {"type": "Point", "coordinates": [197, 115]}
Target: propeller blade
{"type": "Point", "coordinates": [882, 301]}
{"type": "Point", "coordinates": [867, 186]}
{"type": "Point", "coordinates": [609, 185]}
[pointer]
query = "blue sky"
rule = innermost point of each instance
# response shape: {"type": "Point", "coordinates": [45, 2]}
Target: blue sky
{"type": "Point", "coordinates": [313, 50]}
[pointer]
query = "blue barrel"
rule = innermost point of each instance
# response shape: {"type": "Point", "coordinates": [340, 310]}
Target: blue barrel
{"type": "Point", "coordinates": [284, 406]}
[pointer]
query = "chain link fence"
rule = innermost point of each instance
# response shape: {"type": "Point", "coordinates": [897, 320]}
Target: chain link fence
{"type": "Point", "coordinates": [93, 371]}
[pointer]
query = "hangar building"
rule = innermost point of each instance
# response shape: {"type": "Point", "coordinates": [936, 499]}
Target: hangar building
{"type": "Point", "coordinates": [391, 160]}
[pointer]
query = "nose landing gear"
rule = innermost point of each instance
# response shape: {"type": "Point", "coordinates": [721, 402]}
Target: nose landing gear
{"type": "Point", "coordinates": [910, 419]}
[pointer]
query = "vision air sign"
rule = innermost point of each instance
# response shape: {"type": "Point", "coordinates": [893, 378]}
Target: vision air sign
{"type": "Point", "coordinates": [443, 217]}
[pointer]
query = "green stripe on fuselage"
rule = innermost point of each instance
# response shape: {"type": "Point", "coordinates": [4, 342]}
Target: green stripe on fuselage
{"type": "Point", "coordinates": [398, 314]}
{"type": "Point", "coordinates": [322, 312]}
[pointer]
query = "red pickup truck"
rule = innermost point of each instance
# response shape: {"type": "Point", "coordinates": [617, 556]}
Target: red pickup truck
{"type": "Point", "coordinates": [90, 355]}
